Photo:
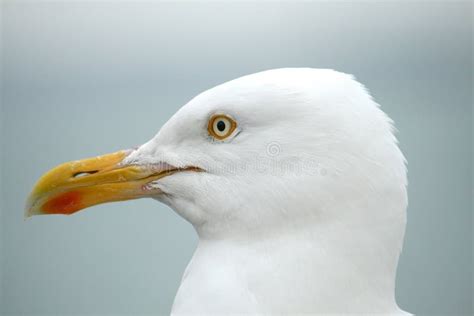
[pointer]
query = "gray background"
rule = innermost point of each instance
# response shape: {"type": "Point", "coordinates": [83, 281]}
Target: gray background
{"type": "Point", "coordinates": [85, 78]}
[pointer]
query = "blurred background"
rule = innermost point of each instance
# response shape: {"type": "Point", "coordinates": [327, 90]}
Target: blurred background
{"type": "Point", "coordinates": [84, 78]}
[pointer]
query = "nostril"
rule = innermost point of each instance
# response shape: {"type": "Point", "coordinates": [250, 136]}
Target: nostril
{"type": "Point", "coordinates": [84, 173]}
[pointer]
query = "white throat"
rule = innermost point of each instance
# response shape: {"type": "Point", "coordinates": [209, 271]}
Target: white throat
{"type": "Point", "coordinates": [337, 267]}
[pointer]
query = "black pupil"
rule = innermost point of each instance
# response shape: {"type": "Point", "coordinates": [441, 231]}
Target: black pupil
{"type": "Point", "coordinates": [221, 126]}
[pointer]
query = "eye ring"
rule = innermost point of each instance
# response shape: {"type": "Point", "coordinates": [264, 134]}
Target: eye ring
{"type": "Point", "coordinates": [221, 126]}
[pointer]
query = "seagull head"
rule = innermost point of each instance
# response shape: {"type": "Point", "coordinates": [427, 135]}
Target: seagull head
{"type": "Point", "coordinates": [270, 153]}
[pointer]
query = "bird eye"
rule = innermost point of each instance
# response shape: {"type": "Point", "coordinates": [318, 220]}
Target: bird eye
{"type": "Point", "coordinates": [221, 126]}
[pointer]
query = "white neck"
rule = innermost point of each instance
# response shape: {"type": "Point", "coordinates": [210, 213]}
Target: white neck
{"type": "Point", "coordinates": [331, 267]}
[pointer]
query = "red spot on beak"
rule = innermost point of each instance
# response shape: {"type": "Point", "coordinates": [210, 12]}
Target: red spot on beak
{"type": "Point", "coordinates": [65, 203]}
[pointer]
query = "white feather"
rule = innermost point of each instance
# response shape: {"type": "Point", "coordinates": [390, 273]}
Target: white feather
{"type": "Point", "coordinates": [303, 211]}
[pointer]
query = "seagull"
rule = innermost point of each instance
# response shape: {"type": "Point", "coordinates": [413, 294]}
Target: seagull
{"type": "Point", "coordinates": [293, 181]}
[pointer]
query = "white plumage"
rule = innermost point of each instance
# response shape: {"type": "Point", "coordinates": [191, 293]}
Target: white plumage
{"type": "Point", "coordinates": [303, 210]}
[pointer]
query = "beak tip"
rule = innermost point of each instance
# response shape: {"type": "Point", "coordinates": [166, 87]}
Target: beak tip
{"type": "Point", "coordinates": [28, 214]}
{"type": "Point", "coordinates": [31, 209]}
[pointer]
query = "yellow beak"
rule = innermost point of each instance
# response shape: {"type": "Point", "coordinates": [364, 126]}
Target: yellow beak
{"type": "Point", "coordinates": [76, 185]}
